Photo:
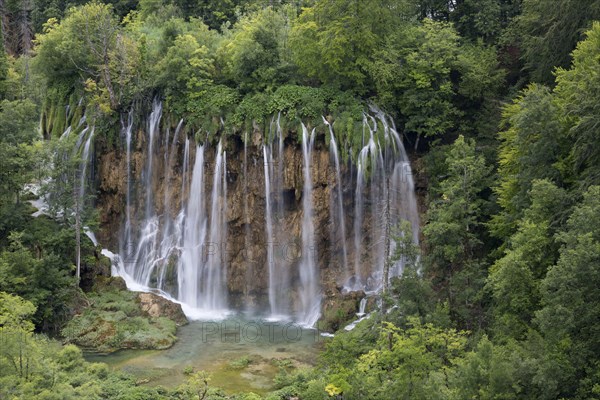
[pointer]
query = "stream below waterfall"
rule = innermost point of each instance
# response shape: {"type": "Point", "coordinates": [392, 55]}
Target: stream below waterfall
{"type": "Point", "coordinates": [240, 354]}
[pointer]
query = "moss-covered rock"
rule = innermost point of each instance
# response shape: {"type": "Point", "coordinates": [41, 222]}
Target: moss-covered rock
{"type": "Point", "coordinates": [339, 309]}
{"type": "Point", "coordinates": [117, 319]}
{"type": "Point", "coordinates": [155, 307]}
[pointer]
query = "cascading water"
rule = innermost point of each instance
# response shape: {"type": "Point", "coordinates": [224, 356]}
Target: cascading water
{"type": "Point", "coordinates": [250, 307]}
{"type": "Point", "coordinates": [310, 297]}
{"type": "Point", "coordinates": [361, 307]}
{"type": "Point", "coordinates": [127, 233]}
{"type": "Point", "coordinates": [278, 289]}
{"type": "Point", "coordinates": [194, 236]}
{"type": "Point", "coordinates": [213, 293]}
{"type": "Point", "coordinates": [153, 126]}
{"type": "Point", "coordinates": [366, 158]}
{"type": "Point", "coordinates": [85, 159]}
{"type": "Point", "coordinates": [338, 204]}
{"type": "Point", "coordinates": [268, 163]}
{"type": "Point", "coordinates": [178, 245]}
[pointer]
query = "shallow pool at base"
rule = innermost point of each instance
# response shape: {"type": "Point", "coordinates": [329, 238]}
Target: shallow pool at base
{"type": "Point", "coordinates": [241, 354]}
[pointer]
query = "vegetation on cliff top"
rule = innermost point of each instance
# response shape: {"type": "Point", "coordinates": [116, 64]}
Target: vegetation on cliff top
{"type": "Point", "coordinates": [329, 59]}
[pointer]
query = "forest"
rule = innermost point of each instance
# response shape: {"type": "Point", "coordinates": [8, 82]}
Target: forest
{"type": "Point", "coordinates": [497, 103]}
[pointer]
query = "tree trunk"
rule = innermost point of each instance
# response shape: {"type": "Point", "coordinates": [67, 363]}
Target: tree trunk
{"type": "Point", "coordinates": [388, 222]}
{"type": "Point", "coordinates": [3, 25]}
{"type": "Point", "coordinates": [77, 232]}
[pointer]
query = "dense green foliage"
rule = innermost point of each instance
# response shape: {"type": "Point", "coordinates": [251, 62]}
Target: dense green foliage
{"type": "Point", "coordinates": [499, 97]}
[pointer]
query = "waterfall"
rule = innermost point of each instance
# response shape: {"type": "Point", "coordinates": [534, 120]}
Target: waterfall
{"type": "Point", "coordinates": [178, 245]}
{"type": "Point", "coordinates": [202, 270]}
{"type": "Point", "coordinates": [277, 262]}
{"type": "Point", "coordinates": [361, 307]}
{"type": "Point", "coordinates": [127, 233]}
{"type": "Point", "coordinates": [169, 159]}
{"type": "Point", "coordinates": [247, 240]}
{"type": "Point", "coordinates": [149, 255]}
{"type": "Point", "coordinates": [66, 133]}
{"type": "Point", "coordinates": [282, 278]}
{"type": "Point", "coordinates": [382, 159]}
{"type": "Point", "coordinates": [213, 295]}
{"type": "Point", "coordinates": [184, 171]}
{"type": "Point", "coordinates": [268, 163]}
{"type": "Point", "coordinates": [85, 158]}
{"type": "Point", "coordinates": [153, 126]}
{"type": "Point", "coordinates": [402, 190]}
{"type": "Point", "coordinates": [194, 236]}
{"type": "Point", "coordinates": [141, 263]}
{"type": "Point", "coordinates": [310, 298]}
{"type": "Point", "coordinates": [339, 205]}
{"type": "Point", "coordinates": [366, 155]}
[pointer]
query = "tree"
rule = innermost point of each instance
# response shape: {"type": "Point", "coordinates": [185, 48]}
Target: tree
{"type": "Point", "coordinates": [453, 230]}
{"type": "Point", "coordinates": [17, 349]}
{"type": "Point", "coordinates": [334, 41]}
{"type": "Point", "coordinates": [570, 296]}
{"type": "Point", "coordinates": [3, 66]}
{"type": "Point", "coordinates": [514, 279]}
{"type": "Point", "coordinates": [44, 279]}
{"type": "Point", "coordinates": [432, 79]}
{"type": "Point", "coordinates": [89, 49]}
{"type": "Point", "coordinates": [488, 372]}
{"type": "Point", "coordinates": [404, 363]}
{"type": "Point", "coordinates": [408, 253]}
{"type": "Point", "coordinates": [17, 151]}
{"type": "Point", "coordinates": [533, 146]}
{"type": "Point", "coordinates": [187, 68]}
{"type": "Point", "coordinates": [549, 31]}
{"type": "Point", "coordinates": [255, 53]}
{"type": "Point", "coordinates": [577, 94]}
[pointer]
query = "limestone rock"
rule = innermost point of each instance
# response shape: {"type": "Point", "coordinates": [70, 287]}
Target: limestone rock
{"type": "Point", "coordinates": [156, 306]}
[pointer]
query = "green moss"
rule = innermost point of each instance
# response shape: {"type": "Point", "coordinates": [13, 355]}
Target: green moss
{"type": "Point", "coordinates": [115, 321]}
{"type": "Point", "coordinates": [240, 363]}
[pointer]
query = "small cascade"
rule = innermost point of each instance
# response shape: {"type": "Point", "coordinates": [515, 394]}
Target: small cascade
{"type": "Point", "coordinates": [250, 307]}
{"type": "Point", "coordinates": [338, 205]}
{"type": "Point", "coordinates": [365, 160]}
{"type": "Point", "coordinates": [213, 294]}
{"type": "Point", "coordinates": [310, 297]}
{"type": "Point", "coordinates": [381, 164]}
{"type": "Point", "coordinates": [268, 167]}
{"type": "Point", "coordinates": [361, 307]}
{"type": "Point", "coordinates": [361, 314]}
{"type": "Point", "coordinates": [80, 139]}
{"type": "Point", "coordinates": [202, 270]}
{"type": "Point", "coordinates": [194, 236]}
{"type": "Point", "coordinates": [128, 130]}
{"type": "Point", "coordinates": [282, 280]}
{"type": "Point", "coordinates": [278, 289]}
{"type": "Point", "coordinates": [66, 133]}
{"type": "Point", "coordinates": [85, 159]}
{"type": "Point", "coordinates": [185, 183]}
{"type": "Point", "coordinates": [169, 161]}
{"type": "Point", "coordinates": [153, 126]}
{"type": "Point", "coordinates": [145, 257]}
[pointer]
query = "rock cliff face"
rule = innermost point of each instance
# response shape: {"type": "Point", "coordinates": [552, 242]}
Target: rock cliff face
{"type": "Point", "coordinates": [245, 249]}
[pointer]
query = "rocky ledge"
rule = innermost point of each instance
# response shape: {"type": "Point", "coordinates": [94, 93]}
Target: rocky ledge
{"type": "Point", "coordinates": [155, 306]}
{"type": "Point", "coordinates": [115, 318]}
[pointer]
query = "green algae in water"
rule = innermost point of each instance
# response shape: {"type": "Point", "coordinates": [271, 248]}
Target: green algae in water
{"type": "Point", "coordinates": [241, 355]}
